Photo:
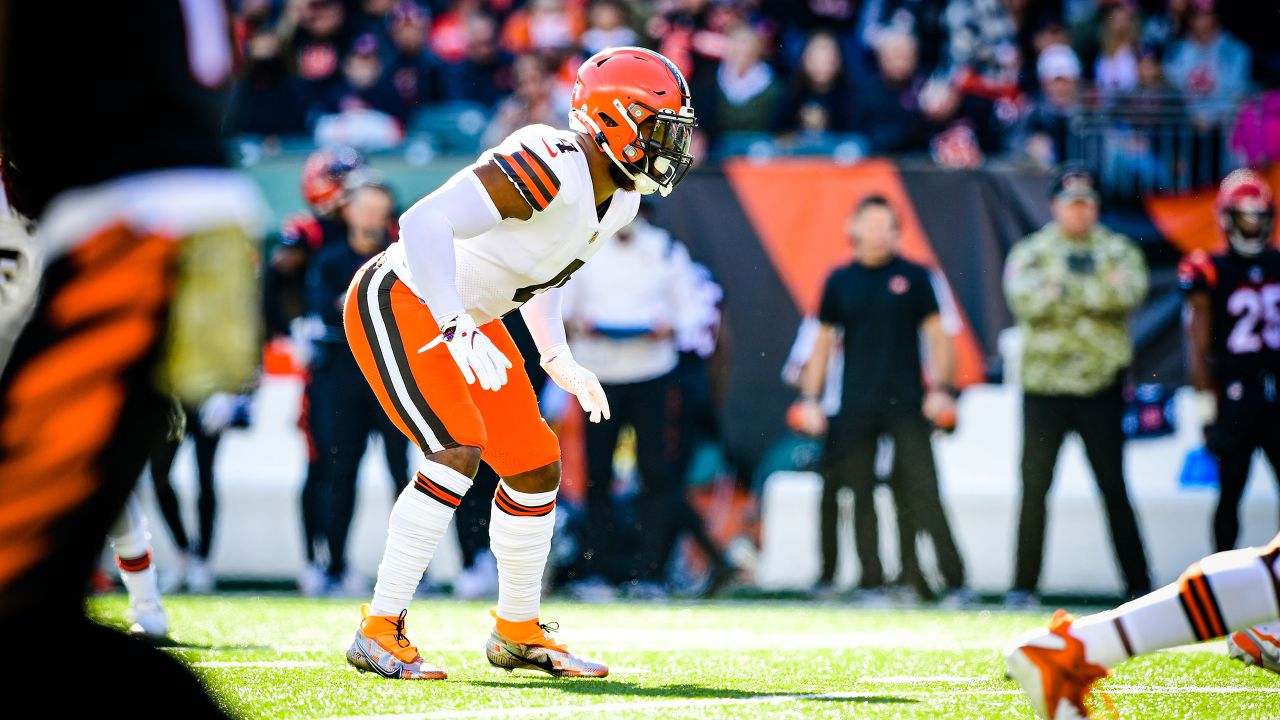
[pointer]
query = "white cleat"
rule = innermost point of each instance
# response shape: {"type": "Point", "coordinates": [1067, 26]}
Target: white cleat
{"type": "Point", "coordinates": [1050, 666]}
{"type": "Point", "coordinates": [1258, 645]}
{"type": "Point", "coordinates": [200, 579]}
{"type": "Point", "coordinates": [529, 645]}
{"type": "Point", "coordinates": [148, 619]}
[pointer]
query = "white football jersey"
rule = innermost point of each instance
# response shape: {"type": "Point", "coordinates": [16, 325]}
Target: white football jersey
{"type": "Point", "coordinates": [501, 269]}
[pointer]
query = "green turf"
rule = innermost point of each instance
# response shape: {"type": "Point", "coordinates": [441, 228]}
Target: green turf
{"type": "Point", "coordinates": [716, 660]}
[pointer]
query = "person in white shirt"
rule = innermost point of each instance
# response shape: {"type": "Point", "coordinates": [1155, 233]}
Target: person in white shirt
{"type": "Point", "coordinates": [624, 312]}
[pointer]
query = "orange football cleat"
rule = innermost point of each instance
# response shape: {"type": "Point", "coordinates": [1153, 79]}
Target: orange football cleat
{"type": "Point", "coordinates": [528, 644]}
{"type": "Point", "coordinates": [381, 647]}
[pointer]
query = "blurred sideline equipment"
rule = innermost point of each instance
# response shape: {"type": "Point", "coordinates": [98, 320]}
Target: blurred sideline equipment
{"type": "Point", "coordinates": [148, 290]}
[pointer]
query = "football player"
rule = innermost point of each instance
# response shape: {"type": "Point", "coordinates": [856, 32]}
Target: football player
{"type": "Point", "coordinates": [424, 321]}
{"type": "Point", "coordinates": [1233, 590]}
{"type": "Point", "coordinates": [1233, 339]}
{"type": "Point", "coordinates": [130, 541]}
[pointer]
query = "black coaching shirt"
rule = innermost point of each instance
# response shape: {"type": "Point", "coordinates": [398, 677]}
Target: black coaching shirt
{"type": "Point", "coordinates": [880, 311]}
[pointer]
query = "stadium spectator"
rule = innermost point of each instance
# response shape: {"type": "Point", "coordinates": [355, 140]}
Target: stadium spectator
{"type": "Point", "coordinates": [888, 102]}
{"type": "Point", "coordinates": [1116, 69]}
{"type": "Point", "coordinates": [607, 22]}
{"type": "Point", "coordinates": [267, 99]}
{"type": "Point", "coordinates": [820, 98]}
{"type": "Point", "coordinates": [922, 19]}
{"type": "Point", "coordinates": [1210, 66]}
{"type": "Point", "coordinates": [981, 40]}
{"type": "Point", "coordinates": [536, 100]}
{"type": "Point", "coordinates": [884, 310]}
{"type": "Point", "coordinates": [1049, 121]}
{"type": "Point", "coordinates": [363, 85]}
{"type": "Point", "coordinates": [344, 410]}
{"type": "Point", "coordinates": [541, 26]}
{"type": "Point", "coordinates": [413, 70]}
{"type": "Point", "coordinates": [1163, 28]}
{"type": "Point", "coordinates": [484, 73]}
{"type": "Point", "coordinates": [1072, 286]}
{"type": "Point", "coordinates": [624, 324]}
{"type": "Point", "coordinates": [318, 40]}
{"type": "Point", "coordinates": [746, 92]}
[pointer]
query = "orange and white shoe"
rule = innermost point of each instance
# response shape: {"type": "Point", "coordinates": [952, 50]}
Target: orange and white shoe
{"type": "Point", "coordinates": [1050, 666]}
{"type": "Point", "coordinates": [381, 647]}
{"type": "Point", "coordinates": [529, 645]}
{"type": "Point", "coordinates": [1258, 645]}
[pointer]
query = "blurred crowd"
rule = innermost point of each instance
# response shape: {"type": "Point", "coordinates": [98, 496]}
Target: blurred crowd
{"type": "Point", "coordinates": [959, 79]}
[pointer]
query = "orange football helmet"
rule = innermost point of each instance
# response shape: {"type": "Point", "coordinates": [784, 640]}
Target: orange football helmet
{"type": "Point", "coordinates": [618, 90]}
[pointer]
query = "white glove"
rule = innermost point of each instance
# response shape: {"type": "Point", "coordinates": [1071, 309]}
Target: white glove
{"type": "Point", "coordinates": [576, 380]}
{"type": "Point", "coordinates": [476, 355]}
{"type": "Point", "coordinates": [217, 412]}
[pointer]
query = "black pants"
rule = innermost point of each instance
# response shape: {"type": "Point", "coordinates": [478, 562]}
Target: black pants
{"type": "Point", "coordinates": [1046, 420]}
{"type": "Point", "coordinates": [1248, 419]}
{"type": "Point", "coordinates": [75, 432]}
{"type": "Point", "coordinates": [849, 461]}
{"type": "Point", "coordinates": [643, 406]}
{"type": "Point", "coordinates": [344, 411]}
{"type": "Point", "coordinates": [206, 447]}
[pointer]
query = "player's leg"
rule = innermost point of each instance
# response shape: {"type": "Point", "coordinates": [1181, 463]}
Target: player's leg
{"type": "Point", "coordinates": [425, 396]}
{"type": "Point", "coordinates": [349, 439]}
{"type": "Point", "coordinates": [913, 457]}
{"type": "Point", "coordinates": [161, 465]}
{"type": "Point", "coordinates": [1099, 426]}
{"type": "Point", "coordinates": [525, 453]}
{"type": "Point", "coordinates": [1232, 439]}
{"type": "Point", "coordinates": [860, 466]}
{"type": "Point", "coordinates": [131, 543]}
{"type": "Point", "coordinates": [662, 490]}
{"type": "Point", "coordinates": [1226, 591]}
{"type": "Point", "coordinates": [1044, 426]}
{"type": "Point", "coordinates": [200, 577]}
{"type": "Point", "coordinates": [395, 448]}
{"type": "Point", "coordinates": [311, 579]}
{"type": "Point", "coordinates": [602, 560]}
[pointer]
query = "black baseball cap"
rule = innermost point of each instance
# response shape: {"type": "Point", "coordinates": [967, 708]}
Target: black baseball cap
{"type": "Point", "coordinates": [1074, 183]}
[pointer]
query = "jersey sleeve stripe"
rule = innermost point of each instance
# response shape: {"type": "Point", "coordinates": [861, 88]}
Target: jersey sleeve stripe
{"type": "Point", "coordinates": [549, 176]}
{"type": "Point", "coordinates": [545, 191]}
{"type": "Point", "coordinates": [517, 178]}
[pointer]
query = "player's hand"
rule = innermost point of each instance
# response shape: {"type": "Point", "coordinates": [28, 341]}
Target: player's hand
{"type": "Point", "coordinates": [807, 417]}
{"type": "Point", "coordinates": [217, 412]}
{"type": "Point", "coordinates": [576, 380]}
{"type": "Point", "coordinates": [477, 357]}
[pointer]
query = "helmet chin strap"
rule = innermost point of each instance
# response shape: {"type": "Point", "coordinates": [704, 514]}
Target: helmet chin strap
{"type": "Point", "coordinates": [581, 122]}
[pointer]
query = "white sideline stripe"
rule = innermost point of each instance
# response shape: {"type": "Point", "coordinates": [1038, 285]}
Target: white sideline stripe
{"type": "Point", "coordinates": [260, 664]}
{"type": "Point", "coordinates": [766, 699]}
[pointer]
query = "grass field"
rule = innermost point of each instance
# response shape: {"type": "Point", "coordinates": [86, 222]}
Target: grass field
{"type": "Point", "coordinates": [281, 657]}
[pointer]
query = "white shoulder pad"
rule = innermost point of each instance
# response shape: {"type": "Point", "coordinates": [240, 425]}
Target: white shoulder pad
{"type": "Point", "coordinates": [540, 161]}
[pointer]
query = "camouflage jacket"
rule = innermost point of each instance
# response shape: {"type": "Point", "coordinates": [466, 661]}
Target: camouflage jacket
{"type": "Point", "coordinates": [1072, 300]}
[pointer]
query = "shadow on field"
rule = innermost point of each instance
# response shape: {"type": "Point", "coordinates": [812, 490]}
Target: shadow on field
{"type": "Point", "coordinates": [605, 687]}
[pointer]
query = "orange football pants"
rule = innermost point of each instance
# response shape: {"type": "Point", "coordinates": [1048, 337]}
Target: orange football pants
{"type": "Point", "coordinates": [425, 394]}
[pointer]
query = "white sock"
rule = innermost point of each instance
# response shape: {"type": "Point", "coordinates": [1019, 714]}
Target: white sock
{"type": "Point", "coordinates": [1223, 593]}
{"type": "Point", "coordinates": [418, 521]}
{"type": "Point", "coordinates": [520, 528]}
{"type": "Point", "coordinates": [131, 543]}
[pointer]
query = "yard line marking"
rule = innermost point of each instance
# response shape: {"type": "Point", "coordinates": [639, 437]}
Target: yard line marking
{"type": "Point", "coordinates": [289, 664]}
{"type": "Point", "coordinates": [632, 706]}
{"type": "Point", "coordinates": [918, 679]}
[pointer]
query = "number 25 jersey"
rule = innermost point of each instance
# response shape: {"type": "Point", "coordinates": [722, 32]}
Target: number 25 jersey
{"type": "Point", "coordinates": [502, 268]}
{"type": "Point", "coordinates": [1244, 294]}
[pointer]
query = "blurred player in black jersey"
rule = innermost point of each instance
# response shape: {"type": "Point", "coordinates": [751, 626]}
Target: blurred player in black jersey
{"type": "Point", "coordinates": [109, 130]}
{"type": "Point", "coordinates": [1233, 338]}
